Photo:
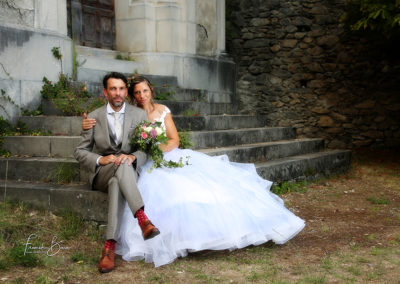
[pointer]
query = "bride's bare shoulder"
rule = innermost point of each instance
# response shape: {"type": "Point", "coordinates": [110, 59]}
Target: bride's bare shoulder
{"type": "Point", "coordinates": [160, 108]}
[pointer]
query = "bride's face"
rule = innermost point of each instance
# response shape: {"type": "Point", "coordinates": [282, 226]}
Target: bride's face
{"type": "Point", "coordinates": [142, 94]}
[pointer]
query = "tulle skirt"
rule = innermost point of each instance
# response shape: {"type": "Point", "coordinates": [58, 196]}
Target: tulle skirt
{"type": "Point", "coordinates": [211, 204]}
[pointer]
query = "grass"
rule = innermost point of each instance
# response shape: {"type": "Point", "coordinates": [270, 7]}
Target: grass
{"type": "Point", "coordinates": [64, 173]}
{"type": "Point", "coordinates": [378, 200]}
{"type": "Point", "coordinates": [286, 187]}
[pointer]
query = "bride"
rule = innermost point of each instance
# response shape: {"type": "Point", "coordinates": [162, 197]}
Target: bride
{"type": "Point", "coordinates": [210, 204]}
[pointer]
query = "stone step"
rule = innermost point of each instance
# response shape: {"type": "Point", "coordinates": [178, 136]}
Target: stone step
{"type": "Point", "coordinates": [306, 167]}
{"type": "Point", "coordinates": [266, 151]}
{"type": "Point", "coordinates": [200, 108]}
{"type": "Point", "coordinates": [41, 169]}
{"type": "Point", "coordinates": [71, 125]}
{"type": "Point", "coordinates": [218, 122]}
{"type": "Point", "coordinates": [61, 169]}
{"type": "Point", "coordinates": [177, 107]}
{"type": "Point", "coordinates": [63, 146]}
{"type": "Point", "coordinates": [224, 138]}
{"type": "Point", "coordinates": [92, 205]}
{"type": "Point", "coordinates": [41, 146]}
{"type": "Point", "coordinates": [196, 95]}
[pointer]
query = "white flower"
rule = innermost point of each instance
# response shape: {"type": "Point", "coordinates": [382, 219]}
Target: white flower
{"type": "Point", "coordinates": [148, 129]}
{"type": "Point", "coordinates": [159, 130]}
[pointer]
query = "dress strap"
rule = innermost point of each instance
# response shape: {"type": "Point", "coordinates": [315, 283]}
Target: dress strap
{"type": "Point", "coordinates": [164, 113]}
{"type": "Point", "coordinates": [162, 116]}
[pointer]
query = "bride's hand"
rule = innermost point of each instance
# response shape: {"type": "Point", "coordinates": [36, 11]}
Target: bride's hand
{"type": "Point", "coordinates": [88, 123]}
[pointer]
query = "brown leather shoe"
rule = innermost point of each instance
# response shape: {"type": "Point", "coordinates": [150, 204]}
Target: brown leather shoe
{"type": "Point", "coordinates": [148, 230]}
{"type": "Point", "coordinates": [106, 263]}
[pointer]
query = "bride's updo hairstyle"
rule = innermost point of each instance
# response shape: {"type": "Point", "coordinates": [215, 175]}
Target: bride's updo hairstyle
{"type": "Point", "coordinates": [132, 82]}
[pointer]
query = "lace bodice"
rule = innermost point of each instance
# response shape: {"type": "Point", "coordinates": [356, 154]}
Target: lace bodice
{"type": "Point", "coordinates": [162, 117]}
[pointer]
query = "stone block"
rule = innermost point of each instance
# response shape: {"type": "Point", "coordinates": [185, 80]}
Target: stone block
{"type": "Point", "coordinates": [328, 40]}
{"type": "Point", "coordinates": [368, 104]}
{"type": "Point", "coordinates": [28, 145]}
{"type": "Point", "coordinates": [315, 84]}
{"type": "Point", "coordinates": [91, 205]}
{"type": "Point", "coordinates": [338, 116]}
{"type": "Point", "coordinates": [275, 48]}
{"type": "Point", "coordinates": [257, 22]}
{"type": "Point", "coordinates": [63, 146]}
{"type": "Point", "coordinates": [29, 193]}
{"type": "Point", "coordinates": [325, 121]}
{"type": "Point", "coordinates": [373, 134]}
{"type": "Point", "coordinates": [320, 110]}
{"type": "Point", "coordinates": [289, 43]}
{"type": "Point", "coordinates": [259, 42]}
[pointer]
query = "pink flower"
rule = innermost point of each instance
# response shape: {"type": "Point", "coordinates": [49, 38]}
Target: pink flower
{"type": "Point", "coordinates": [153, 133]}
{"type": "Point", "coordinates": [144, 135]}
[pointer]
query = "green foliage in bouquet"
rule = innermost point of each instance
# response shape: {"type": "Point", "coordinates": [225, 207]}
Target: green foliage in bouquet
{"type": "Point", "coordinates": [147, 137]}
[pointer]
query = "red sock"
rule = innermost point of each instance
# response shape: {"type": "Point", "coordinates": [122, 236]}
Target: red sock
{"type": "Point", "coordinates": [110, 244]}
{"type": "Point", "coordinates": [141, 216]}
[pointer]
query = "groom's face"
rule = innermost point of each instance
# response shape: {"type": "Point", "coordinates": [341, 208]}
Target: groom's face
{"type": "Point", "coordinates": [116, 93]}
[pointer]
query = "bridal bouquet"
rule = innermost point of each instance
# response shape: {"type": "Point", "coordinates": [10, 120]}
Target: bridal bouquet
{"type": "Point", "coordinates": [147, 136]}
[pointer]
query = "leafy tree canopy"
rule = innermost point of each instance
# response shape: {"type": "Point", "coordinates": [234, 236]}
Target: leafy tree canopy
{"type": "Point", "coordinates": [376, 16]}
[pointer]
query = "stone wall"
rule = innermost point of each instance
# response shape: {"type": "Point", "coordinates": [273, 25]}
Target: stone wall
{"type": "Point", "coordinates": [300, 67]}
{"type": "Point", "coordinates": [29, 29]}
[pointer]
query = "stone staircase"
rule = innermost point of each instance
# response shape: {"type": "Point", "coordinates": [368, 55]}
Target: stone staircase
{"type": "Point", "coordinates": [38, 162]}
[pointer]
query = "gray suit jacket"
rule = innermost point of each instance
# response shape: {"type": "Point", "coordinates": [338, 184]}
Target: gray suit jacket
{"type": "Point", "coordinates": [99, 138]}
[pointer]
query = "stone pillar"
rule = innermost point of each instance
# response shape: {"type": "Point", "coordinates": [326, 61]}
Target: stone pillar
{"type": "Point", "coordinates": [51, 15]}
{"type": "Point", "coordinates": [154, 26]}
{"type": "Point", "coordinates": [220, 27]}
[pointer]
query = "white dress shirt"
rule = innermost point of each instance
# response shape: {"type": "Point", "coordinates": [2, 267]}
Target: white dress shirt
{"type": "Point", "coordinates": [110, 120]}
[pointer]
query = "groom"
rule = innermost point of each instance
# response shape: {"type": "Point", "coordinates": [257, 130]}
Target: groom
{"type": "Point", "coordinates": [113, 165]}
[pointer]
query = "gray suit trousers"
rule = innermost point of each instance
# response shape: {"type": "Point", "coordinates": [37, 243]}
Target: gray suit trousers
{"type": "Point", "coordinates": [120, 183]}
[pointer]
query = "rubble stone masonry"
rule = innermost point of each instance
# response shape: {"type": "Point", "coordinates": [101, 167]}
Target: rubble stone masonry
{"type": "Point", "coordinates": [298, 65]}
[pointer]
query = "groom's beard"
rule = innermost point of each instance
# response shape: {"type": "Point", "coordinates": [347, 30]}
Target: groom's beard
{"type": "Point", "coordinates": [117, 104]}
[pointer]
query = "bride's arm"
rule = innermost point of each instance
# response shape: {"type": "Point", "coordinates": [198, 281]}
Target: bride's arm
{"type": "Point", "coordinates": [88, 123]}
{"type": "Point", "coordinates": [172, 134]}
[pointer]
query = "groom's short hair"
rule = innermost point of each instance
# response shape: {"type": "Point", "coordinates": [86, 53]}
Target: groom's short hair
{"type": "Point", "coordinates": [115, 75]}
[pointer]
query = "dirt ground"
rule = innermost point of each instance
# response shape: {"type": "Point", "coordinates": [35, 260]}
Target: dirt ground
{"type": "Point", "coordinates": [352, 235]}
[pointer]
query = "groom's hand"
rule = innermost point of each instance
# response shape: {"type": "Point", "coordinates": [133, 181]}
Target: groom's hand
{"type": "Point", "coordinates": [87, 123]}
{"type": "Point", "coordinates": [117, 160]}
{"type": "Point", "coordinates": [124, 158]}
{"type": "Point", "coordinates": [105, 160]}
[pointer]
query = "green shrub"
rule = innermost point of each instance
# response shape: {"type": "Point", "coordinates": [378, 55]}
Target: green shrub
{"type": "Point", "coordinates": [17, 256]}
{"type": "Point", "coordinates": [70, 98]}
{"type": "Point", "coordinates": [185, 142]}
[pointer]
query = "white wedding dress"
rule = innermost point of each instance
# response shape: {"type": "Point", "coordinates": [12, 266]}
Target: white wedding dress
{"type": "Point", "coordinates": [211, 204]}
